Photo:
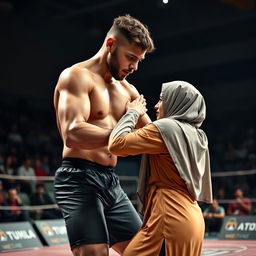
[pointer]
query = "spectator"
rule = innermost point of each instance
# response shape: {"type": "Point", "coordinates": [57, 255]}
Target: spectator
{"type": "Point", "coordinates": [2, 193]}
{"type": "Point", "coordinates": [241, 205]}
{"type": "Point", "coordinates": [9, 169]}
{"type": "Point", "coordinates": [39, 171]}
{"type": "Point", "coordinates": [14, 214]}
{"type": "Point", "coordinates": [220, 195]}
{"type": "Point", "coordinates": [14, 136]}
{"type": "Point", "coordinates": [41, 198]}
{"type": "Point", "coordinates": [213, 217]}
{"type": "Point", "coordinates": [26, 170]}
{"type": "Point", "coordinates": [45, 164]}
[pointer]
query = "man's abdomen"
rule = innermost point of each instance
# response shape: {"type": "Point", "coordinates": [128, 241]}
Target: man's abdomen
{"type": "Point", "coordinates": [97, 155]}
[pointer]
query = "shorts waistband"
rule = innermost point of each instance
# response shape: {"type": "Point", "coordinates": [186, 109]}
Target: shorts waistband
{"type": "Point", "coordinates": [80, 163]}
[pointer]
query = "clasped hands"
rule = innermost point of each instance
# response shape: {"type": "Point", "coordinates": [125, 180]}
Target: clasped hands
{"type": "Point", "coordinates": [139, 104]}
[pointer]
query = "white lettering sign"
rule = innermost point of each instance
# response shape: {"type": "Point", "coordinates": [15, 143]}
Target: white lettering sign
{"type": "Point", "coordinates": [21, 234]}
{"type": "Point", "coordinates": [247, 226]}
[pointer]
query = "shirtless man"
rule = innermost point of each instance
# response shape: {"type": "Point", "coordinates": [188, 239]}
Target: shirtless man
{"type": "Point", "coordinates": [89, 99]}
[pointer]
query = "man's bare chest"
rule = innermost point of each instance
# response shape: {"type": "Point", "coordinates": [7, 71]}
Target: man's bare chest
{"type": "Point", "coordinates": [108, 103]}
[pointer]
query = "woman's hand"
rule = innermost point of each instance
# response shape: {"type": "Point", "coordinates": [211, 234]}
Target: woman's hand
{"type": "Point", "coordinates": [138, 104]}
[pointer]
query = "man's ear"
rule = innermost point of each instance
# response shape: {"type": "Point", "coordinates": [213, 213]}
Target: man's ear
{"type": "Point", "coordinates": [110, 44]}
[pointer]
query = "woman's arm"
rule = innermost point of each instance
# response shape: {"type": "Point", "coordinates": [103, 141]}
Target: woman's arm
{"type": "Point", "coordinates": [125, 141]}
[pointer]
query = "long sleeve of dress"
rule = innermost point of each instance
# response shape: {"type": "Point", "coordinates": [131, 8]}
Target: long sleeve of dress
{"type": "Point", "coordinates": [125, 141]}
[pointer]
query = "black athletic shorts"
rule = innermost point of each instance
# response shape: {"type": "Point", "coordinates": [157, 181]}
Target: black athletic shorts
{"type": "Point", "coordinates": [94, 206]}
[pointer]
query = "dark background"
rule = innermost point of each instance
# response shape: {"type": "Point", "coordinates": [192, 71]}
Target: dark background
{"type": "Point", "coordinates": [209, 43]}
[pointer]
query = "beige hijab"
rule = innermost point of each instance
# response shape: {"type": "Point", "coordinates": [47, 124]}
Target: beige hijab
{"type": "Point", "coordinates": [184, 111]}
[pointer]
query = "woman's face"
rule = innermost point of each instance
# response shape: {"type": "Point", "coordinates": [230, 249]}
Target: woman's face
{"type": "Point", "coordinates": [159, 108]}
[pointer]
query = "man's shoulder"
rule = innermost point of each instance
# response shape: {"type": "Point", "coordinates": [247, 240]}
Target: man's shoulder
{"type": "Point", "coordinates": [76, 72]}
{"type": "Point", "coordinates": [127, 84]}
{"type": "Point", "coordinates": [130, 88]}
{"type": "Point", "coordinates": [75, 77]}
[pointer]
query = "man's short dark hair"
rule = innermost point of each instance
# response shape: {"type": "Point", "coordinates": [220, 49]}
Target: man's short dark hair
{"type": "Point", "coordinates": [134, 31]}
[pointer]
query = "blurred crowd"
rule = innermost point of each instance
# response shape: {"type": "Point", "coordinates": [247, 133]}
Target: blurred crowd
{"type": "Point", "coordinates": [30, 146]}
{"type": "Point", "coordinates": [28, 137]}
{"type": "Point", "coordinates": [233, 149]}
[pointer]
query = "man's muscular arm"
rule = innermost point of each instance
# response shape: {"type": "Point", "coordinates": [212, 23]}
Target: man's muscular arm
{"type": "Point", "coordinates": [73, 111]}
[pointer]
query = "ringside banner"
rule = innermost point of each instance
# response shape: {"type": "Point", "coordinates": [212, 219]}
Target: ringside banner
{"type": "Point", "coordinates": [18, 236]}
{"type": "Point", "coordinates": [53, 231]}
{"type": "Point", "coordinates": [238, 227]}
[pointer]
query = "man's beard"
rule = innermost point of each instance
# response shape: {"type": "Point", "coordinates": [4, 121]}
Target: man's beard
{"type": "Point", "coordinates": [113, 66]}
{"type": "Point", "coordinates": [114, 72]}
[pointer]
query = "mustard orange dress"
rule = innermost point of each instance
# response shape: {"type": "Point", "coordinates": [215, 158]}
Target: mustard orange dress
{"type": "Point", "coordinates": [170, 212]}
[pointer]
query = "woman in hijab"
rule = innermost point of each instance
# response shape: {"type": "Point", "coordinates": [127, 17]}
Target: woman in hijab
{"type": "Point", "coordinates": [175, 170]}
